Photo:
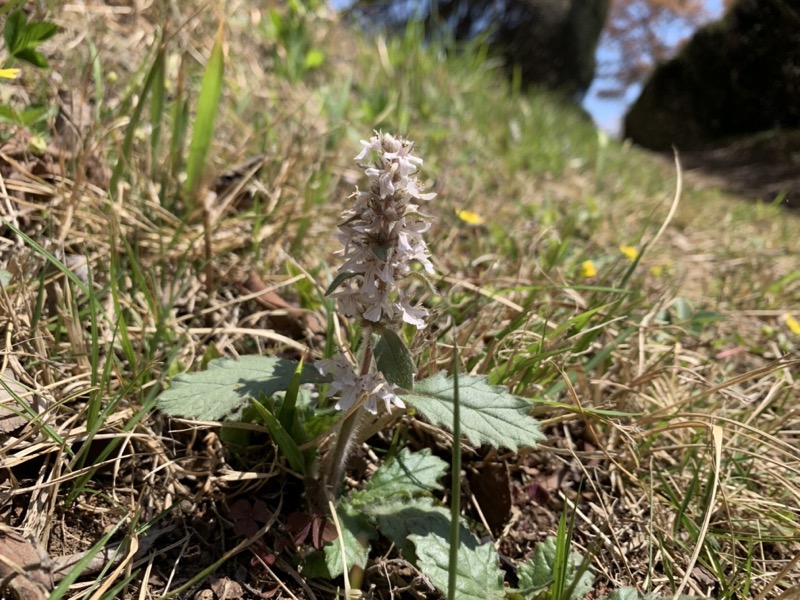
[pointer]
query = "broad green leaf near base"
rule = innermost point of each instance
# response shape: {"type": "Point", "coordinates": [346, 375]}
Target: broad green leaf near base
{"type": "Point", "coordinates": [397, 519]}
{"type": "Point", "coordinates": [408, 475]}
{"type": "Point", "coordinates": [489, 414]}
{"type": "Point", "coordinates": [226, 387]}
{"type": "Point", "coordinates": [478, 576]}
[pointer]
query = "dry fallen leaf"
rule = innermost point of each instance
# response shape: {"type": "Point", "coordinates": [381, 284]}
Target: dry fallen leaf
{"type": "Point", "coordinates": [24, 566]}
{"type": "Point", "coordinates": [10, 390]}
{"type": "Point", "coordinates": [227, 589]}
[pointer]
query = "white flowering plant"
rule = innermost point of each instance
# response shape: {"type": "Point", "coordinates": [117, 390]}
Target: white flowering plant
{"type": "Point", "coordinates": [384, 259]}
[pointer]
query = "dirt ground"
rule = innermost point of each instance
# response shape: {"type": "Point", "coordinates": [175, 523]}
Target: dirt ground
{"type": "Point", "coordinates": [763, 167]}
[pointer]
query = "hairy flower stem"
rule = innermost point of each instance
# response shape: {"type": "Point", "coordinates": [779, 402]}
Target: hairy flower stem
{"type": "Point", "coordinates": [352, 423]}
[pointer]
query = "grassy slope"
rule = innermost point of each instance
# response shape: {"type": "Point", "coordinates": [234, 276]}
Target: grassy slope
{"type": "Point", "coordinates": [688, 344]}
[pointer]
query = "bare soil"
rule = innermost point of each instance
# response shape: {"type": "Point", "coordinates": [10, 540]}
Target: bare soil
{"type": "Point", "coordinates": [762, 167]}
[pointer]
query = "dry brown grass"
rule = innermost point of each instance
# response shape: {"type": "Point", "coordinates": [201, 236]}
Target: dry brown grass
{"type": "Point", "coordinates": [692, 473]}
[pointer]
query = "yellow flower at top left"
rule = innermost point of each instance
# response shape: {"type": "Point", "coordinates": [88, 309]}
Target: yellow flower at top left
{"type": "Point", "coordinates": [9, 73]}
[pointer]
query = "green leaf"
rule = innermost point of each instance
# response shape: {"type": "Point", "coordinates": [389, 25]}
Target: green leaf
{"type": "Point", "coordinates": [537, 573]}
{"type": "Point", "coordinates": [34, 114]}
{"type": "Point", "coordinates": [394, 359]}
{"type": "Point", "coordinates": [408, 475]}
{"type": "Point", "coordinates": [478, 576]}
{"type": "Point", "coordinates": [356, 533]}
{"type": "Point", "coordinates": [226, 388]}
{"type": "Point", "coordinates": [397, 519]}
{"type": "Point", "coordinates": [12, 31]}
{"type": "Point", "coordinates": [288, 408]}
{"type": "Point", "coordinates": [37, 32]}
{"type": "Point", "coordinates": [282, 438]}
{"type": "Point", "coordinates": [489, 414]}
{"type": "Point", "coordinates": [207, 107]}
{"type": "Point", "coordinates": [339, 280]}
{"type": "Point", "coordinates": [388, 501]}
{"type": "Point", "coordinates": [5, 278]}
{"type": "Point", "coordinates": [31, 56]}
{"type": "Point", "coordinates": [381, 251]}
{"type": "Point", "coordinates": [22, 37]}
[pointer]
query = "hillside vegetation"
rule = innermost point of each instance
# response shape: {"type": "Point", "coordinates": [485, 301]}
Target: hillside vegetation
{"type": "Point", "coordinates": [653, 322]}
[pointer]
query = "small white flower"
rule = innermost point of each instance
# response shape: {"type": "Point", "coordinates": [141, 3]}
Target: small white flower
{"type": "Point", "coordinates": [380, 389]}
{"type": "Point", "coordinates": [413, 315]}
{"type": "Point", "coordinates": [350, 387]}
{"type": "Point", "coordinates": [373, 144]}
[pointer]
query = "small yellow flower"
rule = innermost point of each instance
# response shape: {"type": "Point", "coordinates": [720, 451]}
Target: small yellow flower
{"type": "Point", "coordinates": [471, 218]}
{"type": "Point", "coordinates": [656, 270]}
{"type": "Point", "coordinates": [588, 269]}
{"type": "Point", "coordinates": [9, 73]}
{"type": "Point", "coordinates": [792, 323]}
{"type": "Point", "coordinates": [630, 251]}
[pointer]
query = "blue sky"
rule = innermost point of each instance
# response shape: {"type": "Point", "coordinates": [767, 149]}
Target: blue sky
{"type": "Point", "coordinates": [608, 113]}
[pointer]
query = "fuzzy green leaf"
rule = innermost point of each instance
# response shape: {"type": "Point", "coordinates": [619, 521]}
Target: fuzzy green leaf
{"type": "Point", "coordinates": [537, 573]}
{"type": "Point", "coordinates": [398, 518]}
{"type": "Point", "coordinates": [407, 476]}
{"type": "Point", "coordinates": [478, 576]}
{"type": "Point", "coordinates": [356, 533]}
{"type": "Point", "coordinates": [394, 359]}
{"type": "Point", "coordinates": [225, 389]}
{"type": "Point", "coordinates": [489, 414]}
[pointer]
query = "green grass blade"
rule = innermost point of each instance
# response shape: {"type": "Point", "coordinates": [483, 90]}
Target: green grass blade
{"type": "Point", "coordinates": [455, 482]}
{"type": "Point", "coordinates": [133, 125]}
{"type": "Point", "coordinates": [99, 79]}
{"type": "Point", "coordinates": [207, 108]}
{"type": "Point", "coordinates": [157, 111]}
{"type": "Point", "coordinates": [562, 559]}
{"type": "Point", "coordinates": [114, 443]}
{"type": "Point", "coordinates": [289, 405]}
{"type": "Point", "coordinates": [180, 124]}
{"type": "Point", "coordinates": [73, 575]}
{"type": "Point", "coordinates": [282, 438]}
